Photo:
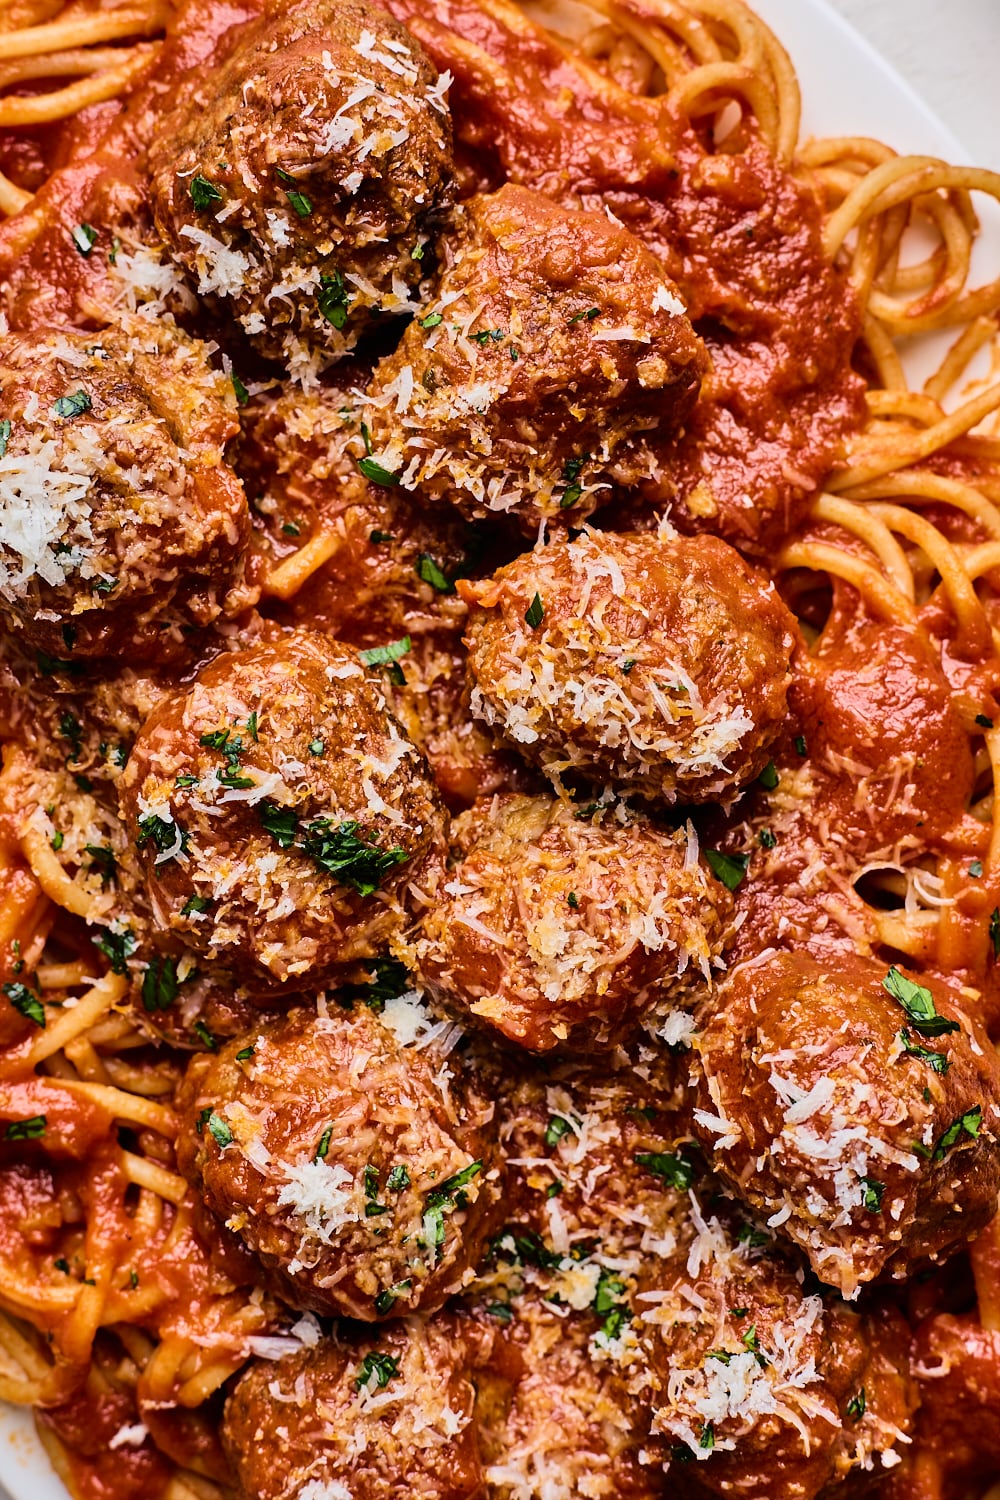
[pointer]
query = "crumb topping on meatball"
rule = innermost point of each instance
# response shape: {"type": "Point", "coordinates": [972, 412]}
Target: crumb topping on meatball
{"type": "Point", "coordinates": [565, 925]}
{"type": "Point", "coordinates": [658, 664]}
{"type": "Point", "coordinates": [553, 346]}
{"type": "Point", "coordinates": [361, 1171]}
{"type": "Point", "coordinates": [119, 519]}
{"type": "Point", "coordinates": [392, 1417]}
{"type": "Point", "coordinates": [280, 812]}
{"type": "Point", "coordinates": [856, 1108]}
{"type": "Point", "coordinates": [299, 182]}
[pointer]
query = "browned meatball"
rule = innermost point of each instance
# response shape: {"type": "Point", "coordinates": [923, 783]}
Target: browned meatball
{"type": "Point", "coordinates": [556, 927]}
{"type": "Point", "coordinates": [553, 347]}
{"type": "Point", "coordinates": [298, 181]}
{"type": "Point", "coordinates": [856, 1109]}
{"type": "Point", "coordinates": [280, 812]}
{"type": "Point", "coordinates": [564, 1428]}
{"type": "Point", "coordinates": [772, 1393]}
{"type": "Point", "coordinates": [655, 663]}
{"type": "Point", "coordinates": [360, 1170]}
{"type": "Point", "coordinates": [359, 1419]}
{"type": "Point", "coordinates": [120, 524]}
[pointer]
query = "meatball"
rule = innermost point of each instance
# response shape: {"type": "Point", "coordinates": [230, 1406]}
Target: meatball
{"type": "Point", "coordinates": [391, 1418]}
{"type": "Point", "coordinates": [553, 348]}
{"type": "Point", "coordinates": [772, 1392]}
{"type": "Point", "coordinates": [299, 180]}
{"type": "Point", "coordinates": [561, 928]}
{"type": "Point", "coordinates": [856, 1109]}
{"type": "Point", "coordinates": [359, 1170]}
{"type": "Point", "coordinates": [658, 664]}
{"type": "Point", "coordinates": [565, 1428]}
{"type": "Point", "coordinates": [120, 524]}
{"type": "Point", "coordinates": [280, 813]}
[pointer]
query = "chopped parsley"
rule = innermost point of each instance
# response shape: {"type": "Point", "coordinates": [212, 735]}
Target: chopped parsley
{"type": "Point", "coordinates": [872, 1193]}
{"type": "Point", "coordinates": [766, 839]}
{"type": "Point", "coordinates": [707, 1438]}
{"type": "Point", "coordinates": [398, 1180]}
{"type": "Point", "coordinates": [203, 193]}
{"type": "Point", "coordinates": [4, 436]}
{"type": "Point", "coordinates": [117, 947]}
{"type": "Point", "coordinates": [450, 1192]}
{"type": "Point", "coordinates": [102, 861]}
{"type": "Point", "coordinates": [388, 656]}
{"type": "Point", "coordinates": [375, 473]}
{"type": "Point", "coordinates": [195, 904]}
{"type": "Point", "coordinates": [800, 744]}
{"type": "Point", "coordinates": [557, 1127]}
{"type": "Point", "coordinates": [857, 1405]}
{"type": "Point", "coordinates": [995, 931]}
{"type": "Point", "coordinates": [768, 778]}
{"type": "Point", "coordinates": [280, 822]}
{"type": "Point", "coordinates": [242, 394]}
{"type": "Point", "coordinates": [245, 1053]}
{"type": "Point", "coordinates": [535, 613]}
{"type": "Point", "coordinates": [751, 1343]}
{"type": "Point", "coordinates": [332, 300]}
{"type": "Point", "coordinates": [298, 200]}
{"type": "Point", "coordinates": [219, 1130]}
{"type": "Point", "coordinates": [487, 335]}
{"type": "Point", "coordinates": [428, 571]}
{"type": "Point", "coordinates": [26, 1002]}
{"type": "Point", "coordinates": [160, 984]}
{"type": "Point", "coordinates": [378, 1367]}
{"type": "Point", "coordinates": [573, 901]}
{"type": "Point", "coordinates": [936, 1060]}
{"type": "Point", "coordinates": [674, 1169]}
{"type": "Point", "coordinates": [385, 1299]}
{"type": "Point", "coordinates": [590, 313]}
{"type": "Point", "coordinates": [984, 721]}
{"type": "Point", "coordinates": [729, 868]}
{"type": "Point", "coordinates": [572, 486]}
{"type": "Point", "coordinates": [976, 869]}
{"type": "Point", "coordinates": [73, 405]}
{"type": "Point", "coordinates": [203, 1034]}
{"type": "Point", "coordinates": [918, 1002]}
{"type": "Point", "coordinates": [432, 320]}
{"type": "Point", "coordinates": [163, 834]}
{"type": "Point", "coordinates": [338, 849]}
{"type": "Point", "coordinates": [968, 1124]}
{"type": "Point", "coordinates": [26, 1130]}
{"type": "Point", "coordinates": [316, 747]}
{"type": "Point", "coordinates": [84, 237]}
{"type": "Point", "coordinates": [323, 1145]}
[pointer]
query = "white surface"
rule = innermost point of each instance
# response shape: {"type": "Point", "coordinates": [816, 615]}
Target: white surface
{"type": "Point", "coordinates": [949, 50]}
{"type": "Point", "coordinates": [949, 55]}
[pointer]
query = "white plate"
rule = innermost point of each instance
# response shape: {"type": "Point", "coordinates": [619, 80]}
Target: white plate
{"type": "Point", "coordinates": [848, 89]}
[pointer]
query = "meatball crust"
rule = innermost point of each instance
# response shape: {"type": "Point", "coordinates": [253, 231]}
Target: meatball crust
{"type": "Point", "coordinates": [868, 1133]}
{"type": "Point", "coordinates": [758, 1382]}
{"type": "Point", "coordinates": [553, 348]}
{"type": "Point", "coordinates": [658, 664]}
{"type": "Point", "coordinates": [280, 812]}
{"type": "Point", "coordinates": [359, 1171]}
{"type": "Point", "coordinates": [384, 1420]}
{"type": "Point", "coordinates": [557, 929]}
{"type": "Point", "coordinates": [296, 180]}
{"type": "Point", "coordinates": [119, 520]}
{"type": "Point", "coordinates": [565, 1428]}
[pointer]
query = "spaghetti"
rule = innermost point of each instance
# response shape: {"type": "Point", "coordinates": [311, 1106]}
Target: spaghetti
{"type": "Point", "coordinates": [125, 1315]}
